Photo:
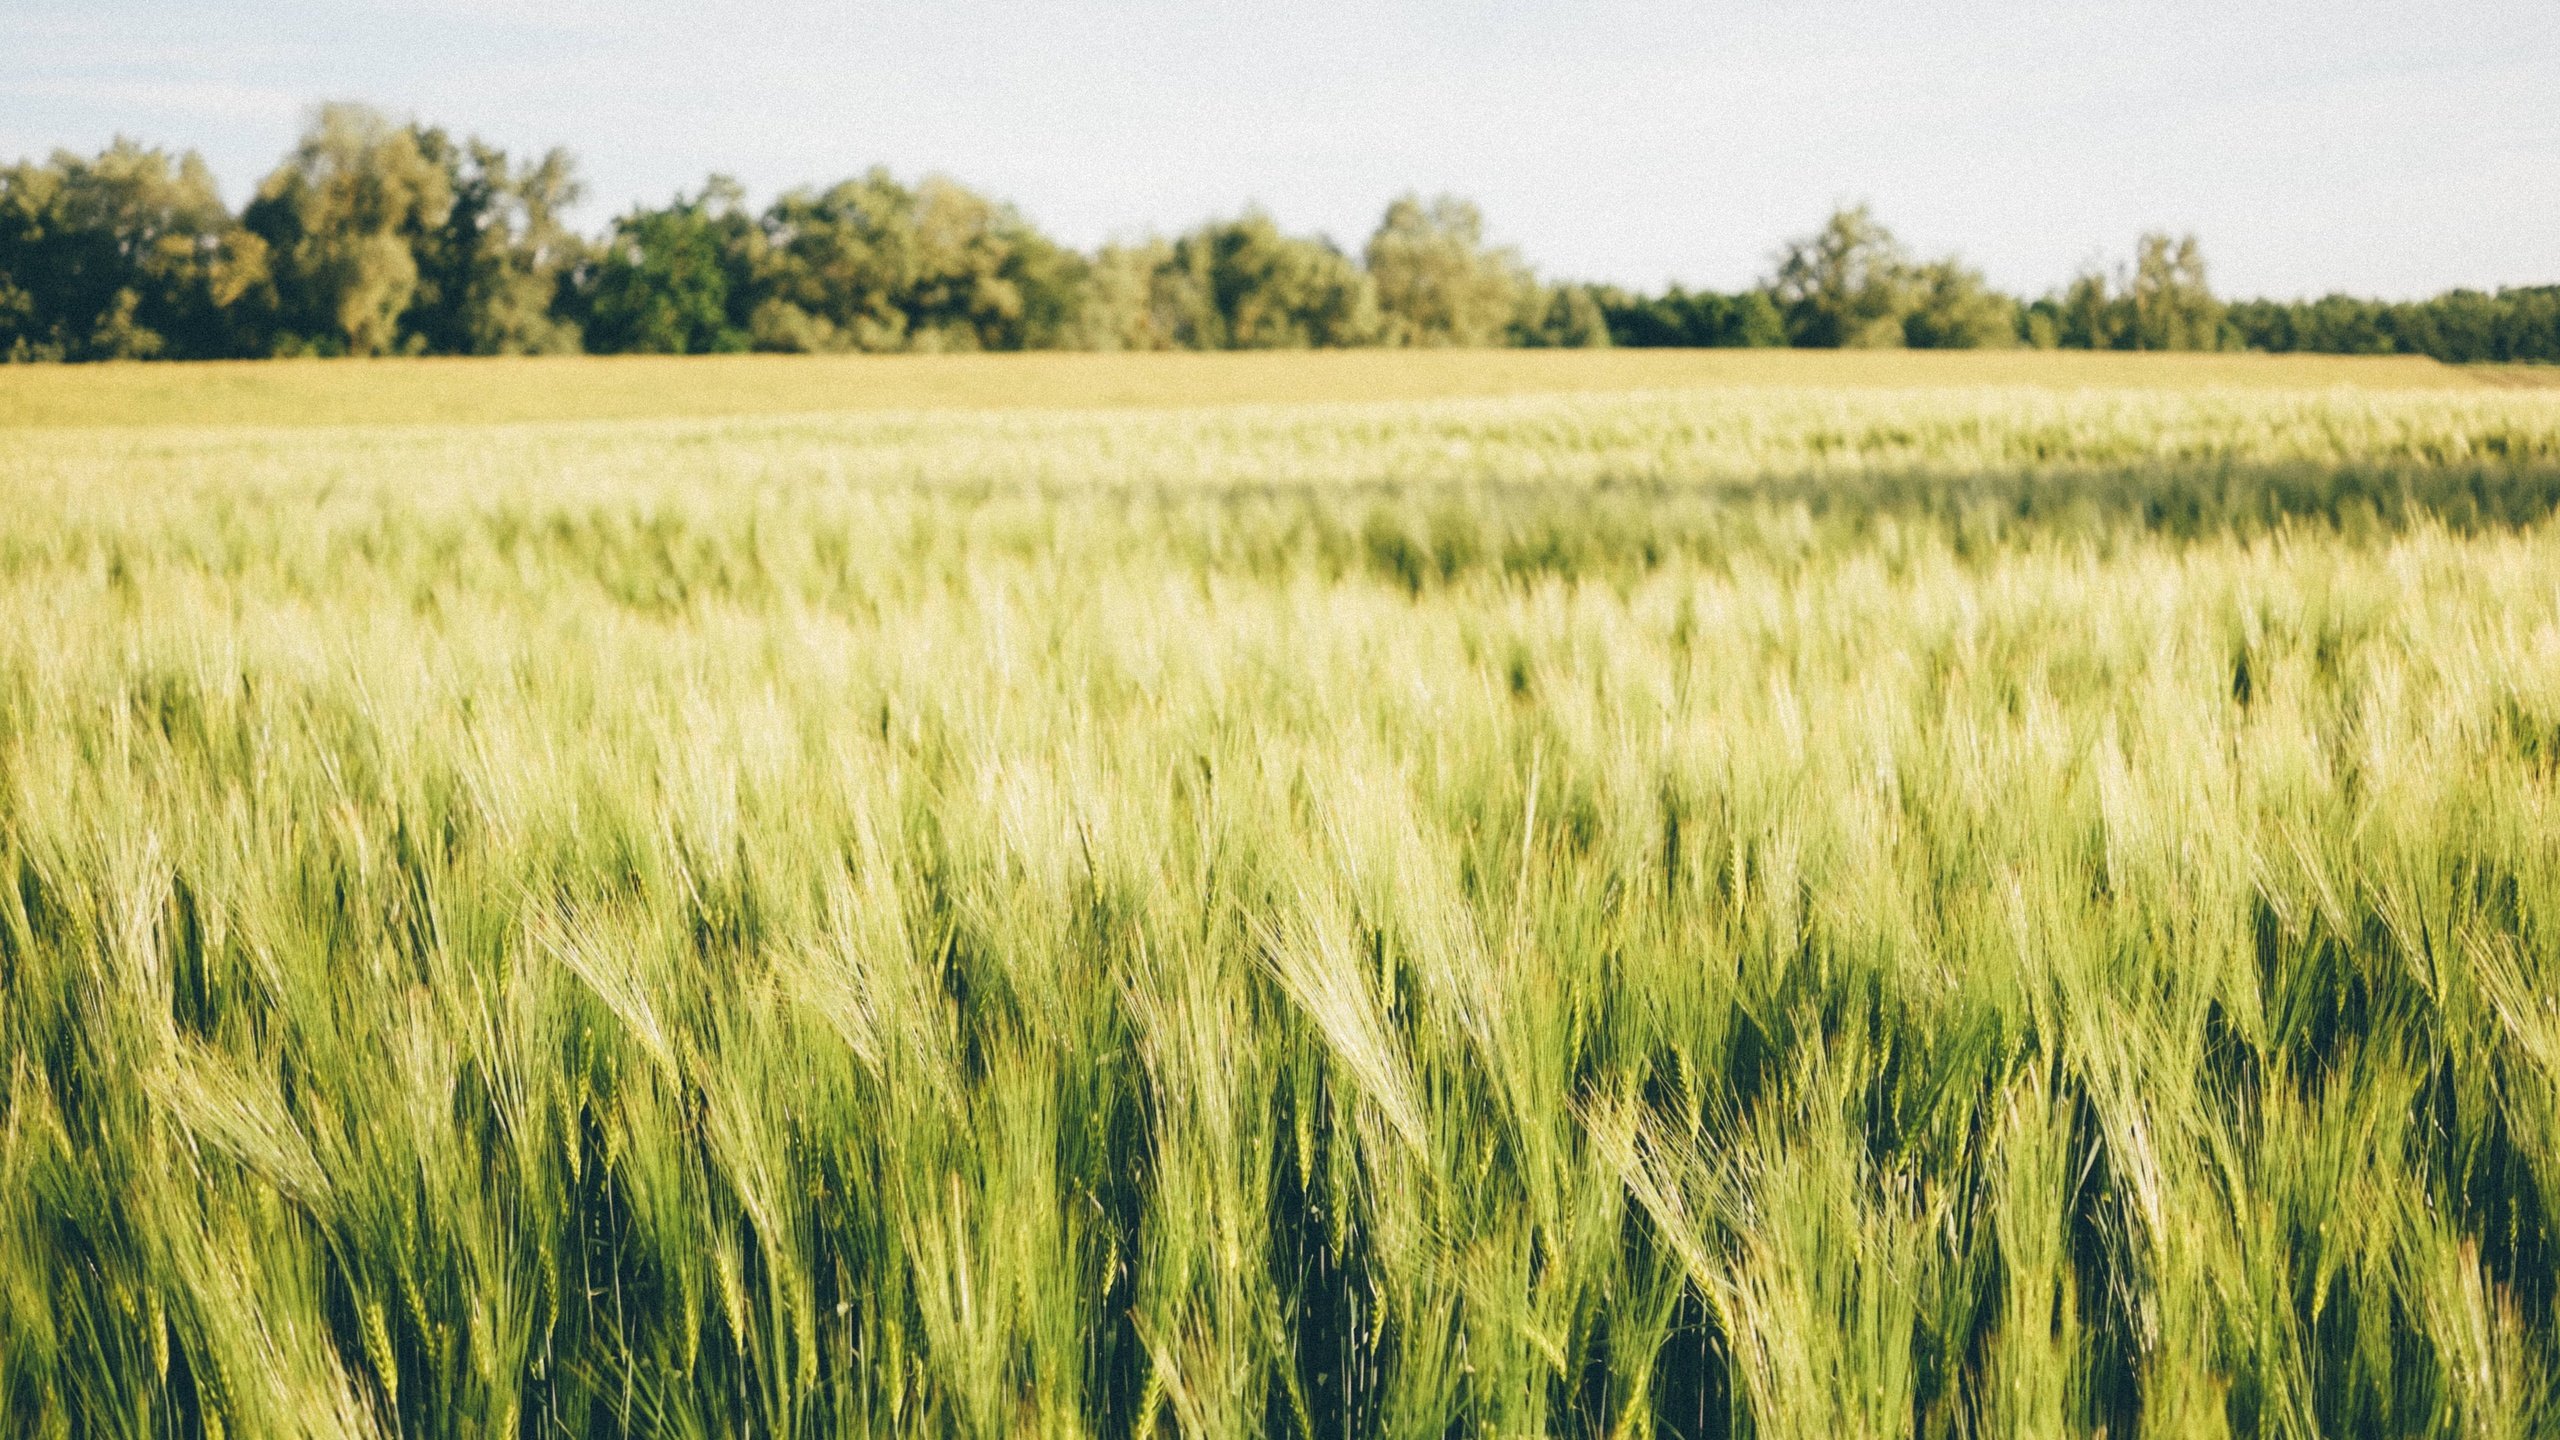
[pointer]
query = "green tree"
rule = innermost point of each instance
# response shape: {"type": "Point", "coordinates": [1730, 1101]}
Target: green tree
{"type": "Point", "coordinates": [1567, 316]}
{"type": "Point", "coordinates": [871, 264]}
{"type": "Point", "coordinates": [1243, 285]}
{"type": "Point", "coordinates": [343, 220]}
{"type": "Point", "coordinates": [1438, 283]}
{"type": "Point", "coordinates": [126, 256]}
{"type": "Point", "coordinates": [677, 280]}
{"type": "Point", "coordinates": [2171, 306]}
{"type": "Point", "coordinates": [1849, 284]}
{"type": "Point", "coordinates": [1700, 319]}
{"type": "Point", "coordinates": [1953, 309]}
{"type": "Point", "coordinates": [2160, 302]}
{"type": "Point", "coordinates": [984, 278]}
{"type": "Point", "coordinates": [2040, 323]}
{"type": "Point", "coordinates": [1128, 300]}
{"type": "Point", "coordinates": [839, 266]}
{"type": "Point", "coordinates": [2087, 315]}
{"type": "Point", "coordinates": [490, 275]}
{"type": "Point", "coordinates": [2468, 325]}
{"type": "Point", "coordinates": [2459, 326]}
{"type": "Point", "coordinates": [1753, 321]}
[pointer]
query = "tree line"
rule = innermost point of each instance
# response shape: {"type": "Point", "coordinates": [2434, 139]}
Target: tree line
{"type": "Point", "coordinates": [375, 237]}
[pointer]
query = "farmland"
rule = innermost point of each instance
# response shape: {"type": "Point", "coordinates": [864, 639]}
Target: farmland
{"type": "Point", "coordinates": [1676, 895]}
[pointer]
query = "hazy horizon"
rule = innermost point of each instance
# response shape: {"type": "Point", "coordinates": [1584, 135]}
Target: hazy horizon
{"type": "Point", "coordinates": [2380, 150]}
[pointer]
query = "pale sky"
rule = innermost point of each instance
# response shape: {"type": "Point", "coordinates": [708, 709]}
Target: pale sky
{"type": "Point", "coordinates": [2382, 149]}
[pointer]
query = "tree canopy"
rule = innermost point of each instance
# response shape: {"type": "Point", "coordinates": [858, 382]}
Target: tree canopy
{"type": "Point", "coordinates": [126, 256]}
{"type": "Point", "coordinates": [382, 237]}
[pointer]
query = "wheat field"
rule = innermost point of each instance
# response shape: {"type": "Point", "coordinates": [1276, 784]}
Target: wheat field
{"type": "Point", "coordinates": [631, 387]}
{"type": "Point", "coordinates": [1841, 903]}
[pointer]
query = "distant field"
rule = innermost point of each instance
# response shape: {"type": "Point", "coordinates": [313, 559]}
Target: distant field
{"type": "Point", "coordinates": [466, 391]}
{"type": "Point", "coordinates": [1629, 895]}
